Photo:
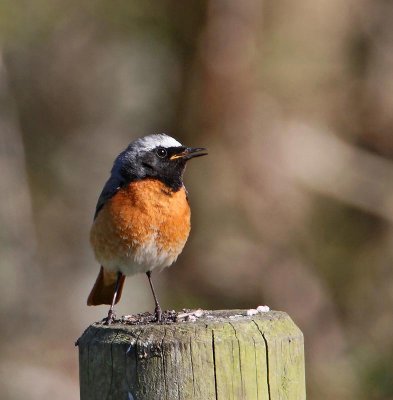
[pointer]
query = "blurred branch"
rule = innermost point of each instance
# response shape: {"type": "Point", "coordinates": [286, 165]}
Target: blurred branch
{"type": "Point", "coordinates": [324, 163]}
{"type": "Point", "coordinates": [17, 238]}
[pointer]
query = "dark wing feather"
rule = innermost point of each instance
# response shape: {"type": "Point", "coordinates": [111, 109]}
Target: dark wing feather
{"type": "Point", "coordinates": [121, 174]}
{"type": "Point", "coordinates": [113, 184]}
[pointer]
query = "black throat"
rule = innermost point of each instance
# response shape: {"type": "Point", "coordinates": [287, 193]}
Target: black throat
{"type": "Point", "coordinates": [171, 178]}
{"type": "Point", "coordinates": [174, 183]}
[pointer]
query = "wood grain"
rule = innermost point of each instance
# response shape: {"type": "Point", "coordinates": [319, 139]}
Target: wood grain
{"type": "Point", "coordinates": [257, 357]}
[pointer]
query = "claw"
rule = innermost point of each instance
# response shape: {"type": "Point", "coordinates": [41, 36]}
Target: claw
{"type": "Point", "coordinates": [110, 318]}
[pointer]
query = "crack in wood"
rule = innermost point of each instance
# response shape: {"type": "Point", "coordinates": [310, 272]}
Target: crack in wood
{"type": "Point", "coordinates": [214, 365]}
{"type": "Point", "coordinates": [267, 359]}
{"type": "Point", "coordinates": [163, 364]}
{"type": "Point", "coordinates": [135, 345]}
{"type": "Point", "coordinates": [111, 381]}
{"type": "Point", "coordinates": [240, 359]}
{"type": "Point", "coordinates": [192, 368]}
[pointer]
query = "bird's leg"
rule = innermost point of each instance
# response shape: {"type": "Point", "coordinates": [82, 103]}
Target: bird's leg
{"type": "Point", "coordinates": [111, 313]}
{"type": "Point", "coordinates": [157, 310]}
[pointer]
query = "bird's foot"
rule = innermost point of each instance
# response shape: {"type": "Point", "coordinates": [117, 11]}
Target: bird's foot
{"type": "Point", "coordinates": [158, 313]}
{"type": "Point", "coordinates": [110, 318]}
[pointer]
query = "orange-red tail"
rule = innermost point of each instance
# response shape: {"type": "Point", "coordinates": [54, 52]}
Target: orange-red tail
{"type": "Point", "coordinates": [104, 288]}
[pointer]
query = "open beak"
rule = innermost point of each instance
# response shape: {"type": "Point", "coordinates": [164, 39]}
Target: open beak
{"type": "Point", "coordinates": [190, 152]}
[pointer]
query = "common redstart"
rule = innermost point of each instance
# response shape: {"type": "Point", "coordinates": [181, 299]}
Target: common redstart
{"type": "Point", "coordinates": [142, 217]}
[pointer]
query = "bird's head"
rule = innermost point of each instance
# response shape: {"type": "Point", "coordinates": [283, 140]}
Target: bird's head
{"type": "Point", "coordinates": [156, 156]}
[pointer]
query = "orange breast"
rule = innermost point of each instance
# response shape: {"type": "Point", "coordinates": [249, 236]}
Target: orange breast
{"type": "Point", "coordinates": [143, 226]}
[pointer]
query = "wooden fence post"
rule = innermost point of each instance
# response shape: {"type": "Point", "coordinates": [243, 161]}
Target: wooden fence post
{"type": "Point", "coordinates": [224, 355]}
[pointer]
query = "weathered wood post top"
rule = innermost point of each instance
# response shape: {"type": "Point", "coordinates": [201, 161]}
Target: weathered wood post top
{"type": "Point", "coordinates": [201, 355]}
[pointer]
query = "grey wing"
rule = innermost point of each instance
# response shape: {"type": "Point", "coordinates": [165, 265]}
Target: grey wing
{"type": "Point", "coordinates": [113, 184]}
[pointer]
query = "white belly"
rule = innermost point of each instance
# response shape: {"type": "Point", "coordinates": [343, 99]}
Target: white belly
{"type": "Point", "coordinates": [141, 259]}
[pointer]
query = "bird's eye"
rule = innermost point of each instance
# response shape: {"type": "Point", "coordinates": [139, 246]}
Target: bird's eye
{"type": "Point", "coordinates": [161, 152]}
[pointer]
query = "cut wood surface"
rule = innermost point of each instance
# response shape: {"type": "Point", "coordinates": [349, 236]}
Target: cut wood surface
{"type": "Point", "coordinates": [222, 355]}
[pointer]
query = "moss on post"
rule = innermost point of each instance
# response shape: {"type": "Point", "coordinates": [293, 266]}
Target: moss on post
{"type": "Point", "coordinates": [220, 356]}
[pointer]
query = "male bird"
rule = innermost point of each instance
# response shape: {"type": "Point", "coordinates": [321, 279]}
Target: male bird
{"type": "Point", "coordinates": [142, 218]}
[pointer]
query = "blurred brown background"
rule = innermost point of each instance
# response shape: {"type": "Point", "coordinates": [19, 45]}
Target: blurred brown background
{"type": "Point", "coordinates": [292, 208]}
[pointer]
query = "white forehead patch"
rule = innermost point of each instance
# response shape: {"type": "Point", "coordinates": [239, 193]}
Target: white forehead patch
{"type": "Point", "coordinates": [160, 140]}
